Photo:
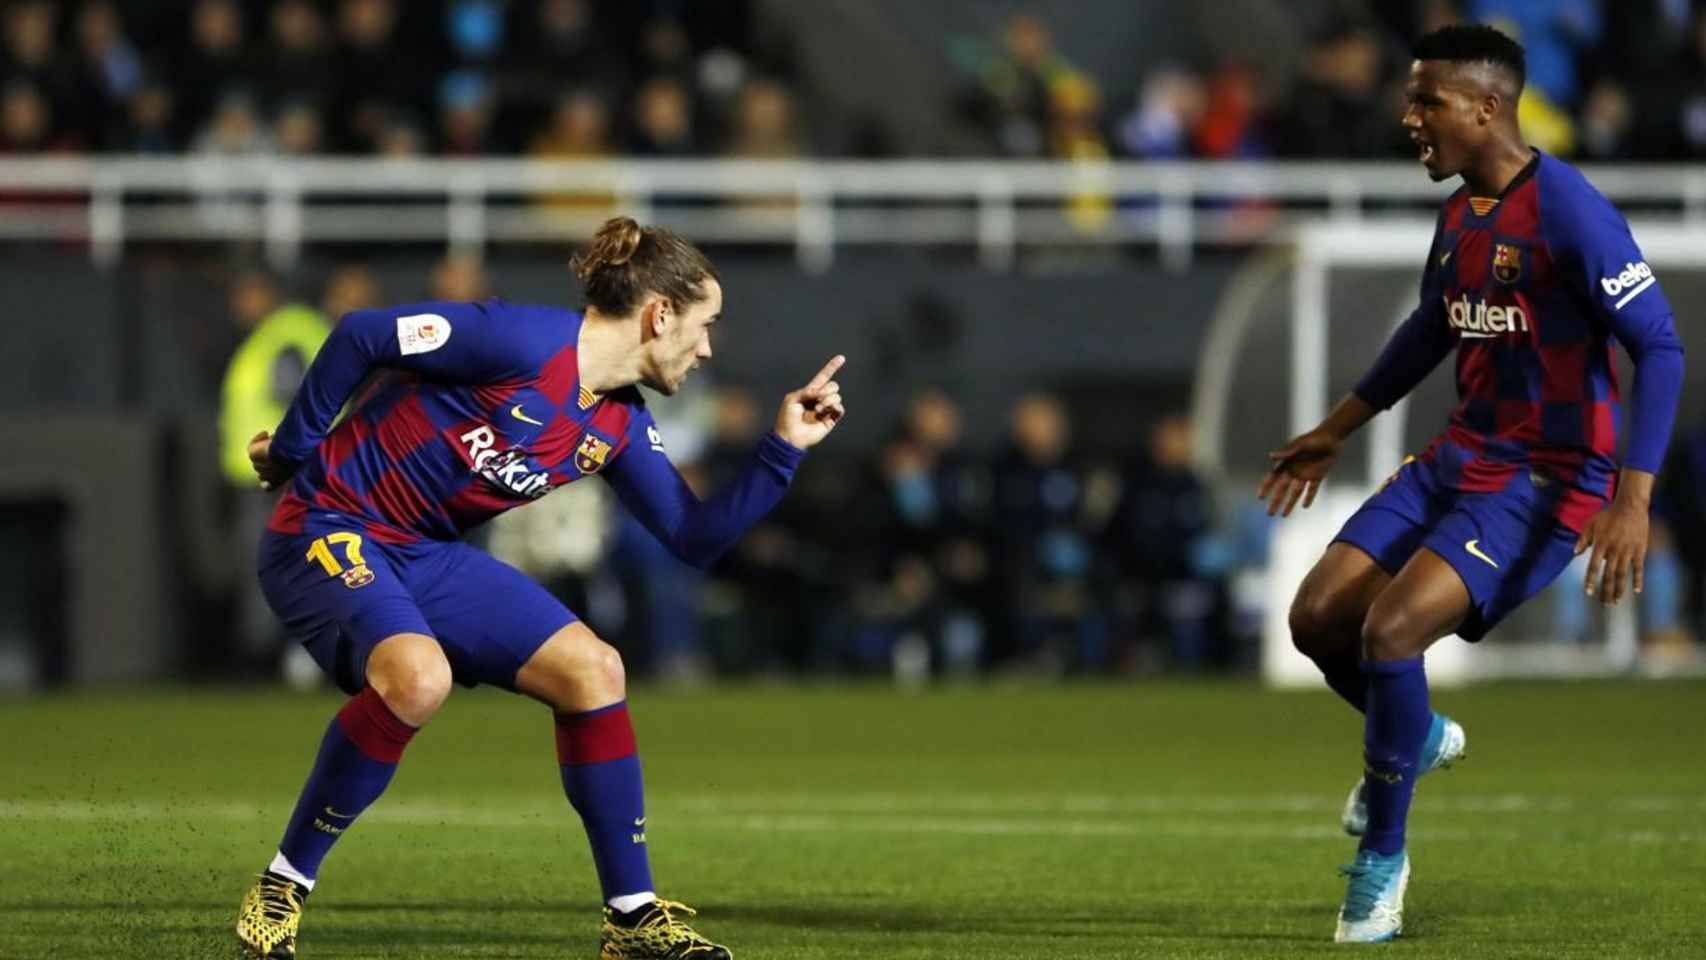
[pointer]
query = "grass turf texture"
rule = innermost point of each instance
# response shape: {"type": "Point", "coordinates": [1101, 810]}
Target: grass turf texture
{"type": "Point", "coordinates": [1061, 822]}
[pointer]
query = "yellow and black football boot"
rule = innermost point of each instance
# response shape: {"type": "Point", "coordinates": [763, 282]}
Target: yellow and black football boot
{"type": "Point", "coordinates": [271, 912]}
{"type": "Point", "coordinates": [653, 932]}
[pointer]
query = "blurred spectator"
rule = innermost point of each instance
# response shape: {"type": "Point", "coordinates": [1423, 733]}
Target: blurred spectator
{"type": "Point", "coordinates": [1676, 104]}
{"type": "Point", "coordinates": [579, 129]}
{"type": "Point", "coordinates": [761, 598]}
{"type": "Point", "coordinates": [459, 278]}
{"type": "Point", "coordinates": [376, 73]}
{"type": "Point", "coordinates": [149, 120]}
{"type": "Point", "coordinates": [31, 56]}
{"type": "Point", "coordinates": [560, 46]}
{"type": "Point", "coordinates": [216, 61]}
{"type": "Point", "coordinates": [665, 49]}
{"type": "Point", "coordinates": [1553, 32]}
{"type": "Point", "coordinates": [939, 503]}
{"type": "Point", "coordinates": [400, 136]}
{"type": "Point", "coordinates": [465, 114]}
{"type": "Point", "coordinates": [260, 380]}
{"type": "Point", "coordinates": [1231, 124]}
{"type": "Point", "coordinates": [1163, 539]}
{"type": "Point", "coordinates": [1170, 105]}
{"type": "Point", "coordinates": [1014, 85]}
{"type": "Point", "coordinates": [235, 129]}
{"type": "Point", "coordinates": [299, 58]}
{"type": "Point", "coordinates": [1608, 122]}
{"type": "Point", "coordinates": [26, 120]}
{"type": "Point", "coordinates": [1336, 108]}
{"type": "Point", "coordinates": [297, 129]}
{"type": "Point", "coordinates": [1041, 540]}
{"type": "Point", "coordinates": [476, 29]}
{"type": "Point", "coordinates": [764, 123]}
{"type": "Point", "coordinates": [111, 71]}
{"type": "Point", "coordinates": [350, 286]}
{"type": "Point", "coordinates": [662, 120]}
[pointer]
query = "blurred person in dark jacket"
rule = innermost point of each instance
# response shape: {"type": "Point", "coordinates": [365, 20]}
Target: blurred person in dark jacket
{"type": "Point", "coordinates": [1163, 540]}
{"type": "Point", "coordinates": [1044, 555]}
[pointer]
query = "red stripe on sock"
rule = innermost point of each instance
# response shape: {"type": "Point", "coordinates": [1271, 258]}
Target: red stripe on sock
{"type": "Point", "coordinates": [373, 728]}
{"type": "Point", "coordinates": [596, 736]}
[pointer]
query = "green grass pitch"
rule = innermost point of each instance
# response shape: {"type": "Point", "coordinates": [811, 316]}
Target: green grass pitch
{"type": "Point", "coordinates": [1077, 821]}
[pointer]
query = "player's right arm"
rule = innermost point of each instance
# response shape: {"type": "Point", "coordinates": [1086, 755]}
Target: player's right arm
{"type": "Point", "coordinates": [453, 342]}
{"type": "Point", "coordinates": [1413, 351]}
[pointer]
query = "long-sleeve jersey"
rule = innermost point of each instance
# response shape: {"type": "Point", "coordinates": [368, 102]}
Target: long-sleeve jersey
{"type": "Point", "coordinates": [480, 408]}
{"type": "Point", "coordinates": [1534, 288]}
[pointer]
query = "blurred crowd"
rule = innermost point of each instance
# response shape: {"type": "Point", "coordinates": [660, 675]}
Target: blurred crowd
{"type": "Point", "coordinates": [1606, 81]}
{"type": "Point", "coordinates": [552, 78]}
{"type": "Point", "coordinates": [579, 78]}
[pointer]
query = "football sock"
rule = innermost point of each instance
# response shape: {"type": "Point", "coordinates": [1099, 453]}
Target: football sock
{"type": "Point", "coordinates": [358, 755]}
{"type": "Point", "coordinates": [1343, 672]}
{"type": "Point", "coordinates": [601, 775]}
{"type": "Point", "coordinates": [629, 909]}
{"type": "Point", "coordinates": [1397, 723]}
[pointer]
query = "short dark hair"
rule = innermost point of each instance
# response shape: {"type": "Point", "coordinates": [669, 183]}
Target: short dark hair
{"type": "Point", "coordinates": [1474, 43]}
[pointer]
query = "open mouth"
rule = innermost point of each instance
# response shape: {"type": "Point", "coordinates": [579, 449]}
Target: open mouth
{"type": "Point", "coordinates": [1427, 149]}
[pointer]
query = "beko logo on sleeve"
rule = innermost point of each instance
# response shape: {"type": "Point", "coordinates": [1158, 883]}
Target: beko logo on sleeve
{"type": "Point", "coordinates": [421, 333]}
{"type": "Point", "coordinates": [1635, 278]}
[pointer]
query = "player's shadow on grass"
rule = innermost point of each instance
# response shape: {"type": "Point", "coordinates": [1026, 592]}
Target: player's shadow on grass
{"type": "Point", "coordinates": [1009, 920]}
{"type": "Point", "coordinates": [1139, 920]}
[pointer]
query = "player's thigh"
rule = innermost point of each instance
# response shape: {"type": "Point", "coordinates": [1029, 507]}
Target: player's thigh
{"type": "Point", "coordinates": [1334, 597]}
{"type": "Point", "coordinates": [1425, 601]}
{"type": "Point", "coordinates": [573, 672]}
{"type": "Point", "coordinates": [489, 617]}
{"type": "Point", "coordinates": [339, 597]}
{"type": "Point", "coordinates": [1505, 547]}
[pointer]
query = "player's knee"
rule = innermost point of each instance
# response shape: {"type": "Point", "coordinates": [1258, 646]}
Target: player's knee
{"type": "Point", "coordinates": [413, 687]}
{"type": "Point", "coordinates": [1388, 635]}
{"type": "Point", "coordinates": [602, 666]}
{"type": "Point", "coordinates": [1313, 622]}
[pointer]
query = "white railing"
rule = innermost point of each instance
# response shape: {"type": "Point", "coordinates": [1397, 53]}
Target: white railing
{"type": "Point", "coordinates": [813, 207]}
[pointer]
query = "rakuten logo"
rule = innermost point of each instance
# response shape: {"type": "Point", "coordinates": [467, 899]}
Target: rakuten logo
{"type": "Point", "coordinates": [1480, 319]}
{"type": "Point", "coordinates": [507, 469]}
{"type": "Point", "coordinates": [1635, 278]}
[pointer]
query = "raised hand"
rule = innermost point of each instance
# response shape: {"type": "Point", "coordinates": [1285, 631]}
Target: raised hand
{"type": "Point", "coordinates": [809, 413]}
{"type": "Point", "coordinates": [1299, 467]}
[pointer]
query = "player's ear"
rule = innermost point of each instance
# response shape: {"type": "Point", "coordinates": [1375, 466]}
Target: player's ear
{"type": "Point", "coordinates": [1489, 108]}
{"type": "Point", "coordinates": [655, 315]}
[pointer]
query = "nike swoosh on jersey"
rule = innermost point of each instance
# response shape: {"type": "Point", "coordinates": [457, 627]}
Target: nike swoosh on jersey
{"type": "Point", "coordinates": [515, 412]}
{"type": "Point", "coordinates": [1474, 549]}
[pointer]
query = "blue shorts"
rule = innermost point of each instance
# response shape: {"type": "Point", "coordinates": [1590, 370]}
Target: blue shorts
{"type": "Point", "coordinates": [339, 593]}
{"type": "Point", "coordinates": [1506, 546]}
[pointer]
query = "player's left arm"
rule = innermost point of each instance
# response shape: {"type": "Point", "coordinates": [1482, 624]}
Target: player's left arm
{"type": "Point", "coordinates": [1597, 249]}
{"type": "Point", "coordinates": [699, 531]}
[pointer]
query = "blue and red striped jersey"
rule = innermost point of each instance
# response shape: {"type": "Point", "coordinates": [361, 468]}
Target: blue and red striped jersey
{"type": "Point", "coordinates": [478, 408]}
{"type": "Point", "coordinates": [1534, 288]}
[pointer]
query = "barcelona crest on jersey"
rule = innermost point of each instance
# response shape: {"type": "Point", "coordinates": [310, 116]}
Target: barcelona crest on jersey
{"type": "Point", "coordinates": [1507, 262]}
{"type": "Point", "coordinates": [591, 455]}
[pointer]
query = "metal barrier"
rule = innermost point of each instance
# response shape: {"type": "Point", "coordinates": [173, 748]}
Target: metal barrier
{"type": "Point", "coordinates": [814, 207]}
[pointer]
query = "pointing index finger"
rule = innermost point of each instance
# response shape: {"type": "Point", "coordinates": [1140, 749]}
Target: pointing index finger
{"type": "Point", "coordinates": [828, 371]}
